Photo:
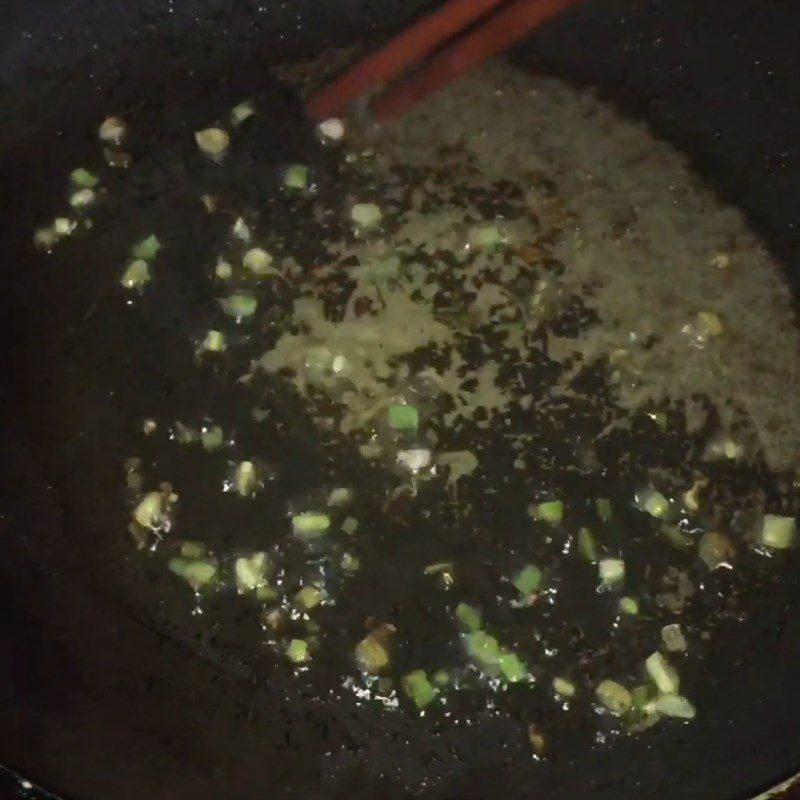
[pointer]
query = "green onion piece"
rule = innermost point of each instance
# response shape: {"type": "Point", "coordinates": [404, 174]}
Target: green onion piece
{"type": "Point", "coordinates": [241, 230]}
{"type": "Point", "coordinates": [673, 638]}
{"type": "Point", "coordinates": [251, 572]}
{"type": "Point", "coordinates": [486, 237]}
{"type": "Point", "coordinates": [259, 262]}
{"type": "Point", "coordinates": [563, 687]}
{"type": "Point", "coordinates": [266, 593]}
{"type": "Point", "coordinates": [709, 324]}
{"type": "Point", "coordinates": [64, 226]}
{"type": "Point", "coordinates": [614, 696]}
{"type": "Point", "coordinates": [246, 479]}
{"type": "Point", "coordinates": [483, 648]}
{"type": "Point", "coordinates": [150, 511]}
{"type": "Point", "coordinates": [190, 549]}
{"type": "Point", "coordinates": [147, 249]}
{"type": "Point", "coordinates": [297, 651]}
{"type": "Point", "coordinates": [778, 532]}
{"type": "Point", "coordinates": [403, 418]}
{"type": "Point", "coordinates": [82, 198]}
{"type": "Point", "coordinates": [715, 549]}
{"type": "Point", "coordinates": [366, 215]}
{"type": "Point", "coordinates": [350, 563]}
{"type": "Point", "coordinates": [223, 270]}
{"type": "Point", "coordinates": [83, 179]}
{"type": "Point", "coordinates": [673, 705]}
{"type": "Point", "coordinates": [652, 502]}
{"type": "Point", "coordinates": [46, 238]}
{"type": "Point", "coordinates": [196, 572]}
{"type": "Point", "coordinates": [468, 616]}
{"type": "Point", "coordinates": [211, 438]}
{"type": "Point", "coordinates": [551, 511]}
{"type": "Point", "coordinates": [612, 571]}
{"type": "Point", "coordinates": [418, 688]}
{"type": "Point", "coordinates": [296, 177]}
{"type": "Point", "coordinates": [662, 673]}
{"type": "Point", "coordinates": [440, 678]}
{"type": "Point", "coordinates": [136, 274]}
{"type": "Point", "coordinates": [528, 579]}
{"type": "Point", "coordinates": [310, 525]}
{"type": "Point", "coordinates": [308, 597]}
{"type": "Point", "coordinates": [512, 668]}
{"type": "Point", "coordinates": [640, 695]}
{"type": "Point", "coordinates": [213, 141]}
{"type": "Point", "coordinates": [239, 305]}
{"type": "Point", "coordinates": [372, 654]}
{"type": "Point", "coordinates": [627, 605]}
{"type": "Point", "coordinates": [604, 509]}
{"type": "Point", "coordinates": [242, 112]}
{"type": "Point", "coordinates": [340, 496]}
{"type": "Point", "coordinates": [332, 129]}
{"type": "Point", "coordinates": [112, 130]}
{"type": "Point", "coordinates": [349, 525]}
{"type": "Point", "coordinates": [587, 546]}
{"type": "Point", "coordinates": [214, 342]}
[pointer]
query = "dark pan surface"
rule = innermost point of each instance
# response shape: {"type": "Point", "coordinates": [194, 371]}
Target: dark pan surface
{"type": "Point", "coordinates": [107, 700]}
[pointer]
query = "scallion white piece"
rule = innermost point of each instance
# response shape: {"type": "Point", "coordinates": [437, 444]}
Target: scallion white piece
{"type": "Point", "coordinates": [415, 459]}
{"type": "Point", "coordinates": [214, 342]}
{"type": "Point", "coordinates": [331, 129]}
{"type": "Point", "coordinates": [662, 673]}
{"type": "Point", "coordinates": [149, 513]}
{"type": "Point", "coordinates": [258, 261]}
{"type": "Point", "coordinates": [242, 112]}
{"type": "Point", "coordinates": [239, 305]}
{"type": "Point", "coordinates": [112, 130]}
{"type": "Point", "coordinates": [251, 572]}
{"type": "Point", "coordinates": [778, 532]}
{"type": "Point", "coordinates": [213, 142]}
{"type": "Point", "coordinates": [223, 270]}
{"type": "Point", "coordinates": [673, 638]}
{"type": "Point", "coordinates": [310, 524]}
{"type": "Point", "coordinates": [612, 571]}
{"type": "Point", "coordinates": [136, 274]}
{"type": "Point", "coordinates": [246, 479]}
{"type": "Point", "coordinates": [366, 215]}
{"type": "Point", "coordinates": [83, 198]}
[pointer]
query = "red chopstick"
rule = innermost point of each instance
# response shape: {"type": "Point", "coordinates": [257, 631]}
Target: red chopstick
{"type": "Point", "coordinates": [392, 60]}
{"type": "Point", "coordinates": [508, 25]}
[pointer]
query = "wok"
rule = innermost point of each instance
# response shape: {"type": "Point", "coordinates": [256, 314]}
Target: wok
{"type": "Point", "coordinates": [101, 697]}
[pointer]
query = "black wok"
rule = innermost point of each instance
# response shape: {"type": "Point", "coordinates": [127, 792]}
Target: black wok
{"type": "Point", "coordinates": [101, 700]}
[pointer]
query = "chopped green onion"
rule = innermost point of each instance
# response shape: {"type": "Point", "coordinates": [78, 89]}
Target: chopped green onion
{"type": "Point", "coordinates": [239, 305]}
{"type": "Point", "coordinates": [440, 678]}
{"type": "Point", "coordinates": [528, 579]}
{"type": "Point", "coordinates": [340, 496]}
{"type": "Point", "coordinates": [149, 426]}
{"type": "Point", "coordinates": [486, 237]}
{"type": "Point", "coordinates": [627, 605]}
{"type": "Point", "coordinates": [296, 177]}
{"type": "Point", "coordinates": [251, 572]}
{"type": "Point", "coordinates": [147, 248]}
{"type": "Point", "coordinates": [652, 502]}
{"type": "Point", "coordinates": [512, 667]}
{"type": "Point", "coordinates": [563, 687]}
{"type": "Point", "coordinates": [211, 438]}
{"type": "Point", "coordinates": [297, 651]}
{"type": "Point", "coordinates": [45, 238]}
{"type": "Point", "coordinates": [366, 215]}
{"type": "Point", "coordinates": [673, 705]}
{"type": "Point", "coordinates": [196, 572]}
{"type": "Point", "coordinates": [604, 509]}
{"type": "Point", "coordinates": [709, 324]}
{"type": "Point", "coordinates": [332, 129]}
{"type": "Point", "coordinates": [213, 141]}
{"type": "Point", "coordinates": [350, 563]}
{"type": "Point", "coordinates": [418, 688]}
{"type": "Point", "coordinates": [241, 230]}
{"type": "Point", "coordinates": [778, 532]}
{"type": "Point", "coordinates": [415, 459]}
{"type": "Point", "coordinates": [349, 525]}
{"type": "Point", "coordinates": [715, 549]}
{"type": "Point", "coordinates": [150, 511]}
{"type": "Point", "coordinates": [612, 571]}
{"type": "Point", "coordinates": [214, 342]}
{"type": "Point", "coordinates": [403, 417]}
{"type": "Point", "coordinates": [551, 511]}
{"type": "Point", "coordinates": [246, 479]}
{"type": "Point", "coordinates": [191, 549]}
{"type": "Point", "coordinates": [112, 130]}
{"type": "Point", "coordinates": [587, 546]}
{"type": "Point", "coordinates": [223, 270]}
{"type": "Point", "coordinates": [640, 696]}
{"type": "Point", "coordinates": [242, 112]}
{"type": "Point", "coordinates": [83, 179]}
{"type": "Point", "coordinates": [64, 226]}
{"type": "Point", "coordinates": [372, 654]}
{"type": "Point", "coordinates": [614, 696]}
{"type": "Point", "coordinates": [662, 673]}
{"type": "Point", "coordinates": [483, 648]}
{"type": "Point", "coordinates": [468, 616]}
{"type": "Point", "coordinates": [136, 274]}
{"type": "Point", "coordinates": [673, 638]}
{"type": "Point", "coordinates": [82, 198]}
{"type": "Point", "coordinates": [259, 262]}
{"type": "Point", "coordinates": [266, 593]}
{"type": "Point", "coordinates": [310, 525]}
{"type": "Point", "coordinates": [308, 597]}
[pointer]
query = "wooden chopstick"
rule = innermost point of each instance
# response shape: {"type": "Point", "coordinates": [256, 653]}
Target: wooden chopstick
{"type": "Point", "coordinates": [403, 51]}
{"type": "Point", "coordinates": [509, 25]}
